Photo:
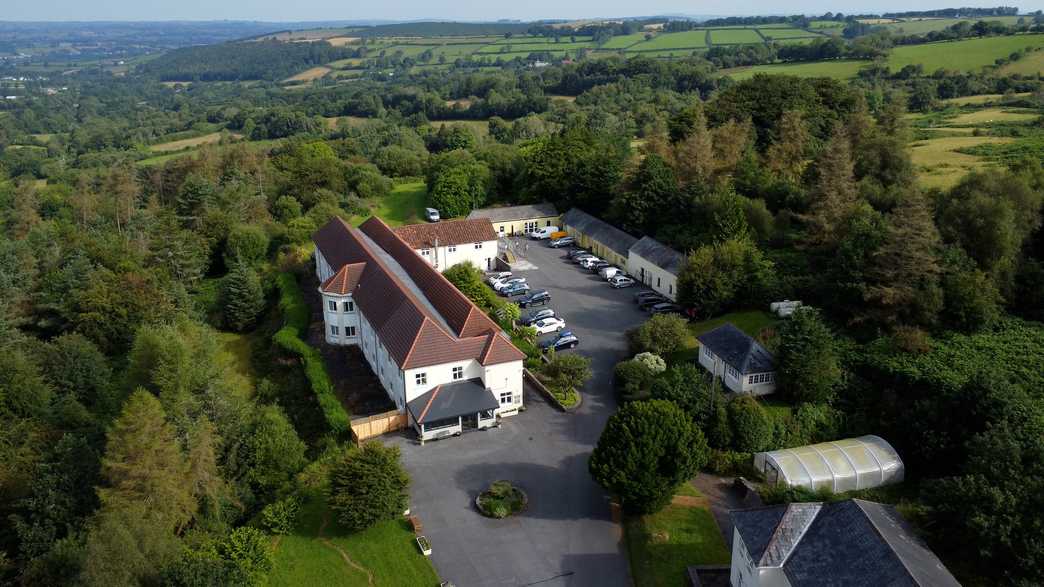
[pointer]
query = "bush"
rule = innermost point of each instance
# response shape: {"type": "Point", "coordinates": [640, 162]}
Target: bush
{"type": "Point", "coordinates": [247, 243]}
{"type": "Point", "coordinates": [730, 463]}
{"type": "Point", "coordinates": [750, 424]}
{"type": "Point", "coordinates": [655, 363]}
{"type": "Point", "coordinates": [249, 551]}
{"type": "Point", "coordinates": [280, 517]}
{"type": "Point", "coordinates": [564, 374]}
{"type": "Point", "coordinates": [368, 485]}
{"type": "Point", "coordinates": [646, 450]}
{"type": "Point", "coordinates": [297, 317]}
{"type": "Point", "coordinates": [662, 334]}
{"type": "Point", "coordinates": [501, 500]}
{"type": "Point", "coordinates": [632, 380]}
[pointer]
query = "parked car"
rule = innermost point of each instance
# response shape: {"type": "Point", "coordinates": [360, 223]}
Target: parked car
{"type": "Point", "coordinates": [586, 262]}
{"type": "Point", "coordinates": [646, 295]}
{"type": "Point", "coordinates": [549, 325]}
{"type": "Point", "coordinates": [565, 340]}
{"type": "Point", "coordinates": [583, 256]}
{"type": "Point", "coordinates": [574, 253]}
{"type": "Point", "coordinates": [565, 241]}
{"type": "Point", "coordinates": [664, 308]}
{"type": "Point", "coordinates": [650, 302]}
{"type": "Point", "coordinates": [598, 266]}
{"type": "Point", "coordinates": [431, 214]}
{"type": "Point", "coordinates": [610, 272]}
{"type": "Point", "coordinates": [518, 289]}
{"type": "Point", "coordinates": [497, 276]}
{"type": "Point", "coordinates": [539, 297]}
{"type": "Point", "coordinates": [620, 281]}
{"type": "Point", "coordinates": [543, 233]}
{"type": "Point", "coordinates": [536, 315]}
{"type": "Point", "coordinates": [500, 285]}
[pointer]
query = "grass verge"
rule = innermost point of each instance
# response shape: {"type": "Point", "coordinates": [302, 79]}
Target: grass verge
{"type": "Point", "coordinates": [662, 545]}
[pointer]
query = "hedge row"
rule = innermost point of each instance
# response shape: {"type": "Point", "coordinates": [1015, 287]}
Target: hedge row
{"type": "Point", "coordinates": [290, 337]}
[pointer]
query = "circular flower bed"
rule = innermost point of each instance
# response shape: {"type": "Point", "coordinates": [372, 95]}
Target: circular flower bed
{"type": "Point", "coordinates": [501, 500]}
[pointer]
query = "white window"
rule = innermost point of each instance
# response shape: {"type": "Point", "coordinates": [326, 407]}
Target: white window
{"type": "Point", "coordinates": [334, 330]}
{"type": "Point", "coordinates": [348, 306]}
{"type": "Point", "coordinates": [506, 398]}
{"type": "Point", "coordinates": [707, 353]}
{"type": "Point", "coordinates": [425, 252]}
{"type": "Point", "coordinates": [421, 378]}
{"type": "Point", "coordinates": [453, 248]}
{"type": "Point", "coordinates": [349, 330]}
{"type": "Point", "coordinates": [732, 371]}
{"type": "Point", "coordinates": [458, 373]}
{"type": "Point", "coordinates": [333, 305]}
{"type": "Point", "coordinates": [501, 229]}
{"type": "Point", "coordinates": [478, 245]}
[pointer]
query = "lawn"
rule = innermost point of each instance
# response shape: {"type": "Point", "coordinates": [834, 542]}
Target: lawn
{"type": "Point", "coordinates": [750, 321]}
{"type": "Point", "coordinates": [966, 55]}
{"type": "Point", "coordinates": [683, 40]}
{"type": "Point", "coordinates": [402, 206]}
{"type": "Point", "coordinates": [662, 545]}
{"type": "Point", "coordinates": [387, 551]}
{"type": "Point", "coordinates": [1031, 64]}
{"type": "Point", "coordinates": [735, 37]}
{"type": "Point", "coordinates": [833, 69]}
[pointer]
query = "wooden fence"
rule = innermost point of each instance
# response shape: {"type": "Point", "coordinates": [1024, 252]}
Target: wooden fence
{"type": "Point", "coordinates": [377, 424]}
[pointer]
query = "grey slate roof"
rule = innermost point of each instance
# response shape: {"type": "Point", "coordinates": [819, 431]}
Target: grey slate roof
{"type": "Point", "coordinates": [607, 234]}
{"type": "Point", "coordinates": [658, 254]}
{"type": "Point", "coordinates": [852, 543]}
{"type": "Point", "coordinates": [745, 354]}
{"type": "Point", "coordinates": [509, 213]}
{"type": "Point", "coordinates": [451, 400]}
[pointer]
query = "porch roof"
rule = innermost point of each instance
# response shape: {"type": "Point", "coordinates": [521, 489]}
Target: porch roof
{"type": "Point", "coordinates": [451, 400]}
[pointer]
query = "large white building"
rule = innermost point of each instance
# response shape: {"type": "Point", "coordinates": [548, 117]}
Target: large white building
{"type": "Point", "coordinates": [444, 244]}
{"type": "Point", "coordinates": [442, 360]}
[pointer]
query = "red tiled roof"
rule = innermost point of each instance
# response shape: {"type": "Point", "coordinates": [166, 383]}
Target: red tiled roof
{"type": "Point", "coordinates": [449, 232]}
{"type": "Point", "coordinates": [344, 281]}
{"type": "Point", "coordinates": [412, 335]}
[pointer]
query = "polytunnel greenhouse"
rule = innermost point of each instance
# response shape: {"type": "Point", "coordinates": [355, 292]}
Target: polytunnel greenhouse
{"type": "Point", "coordinates": [841, 465]}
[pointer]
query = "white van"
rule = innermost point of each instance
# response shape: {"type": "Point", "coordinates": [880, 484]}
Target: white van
{"type": "Point", "coordinates": [431, 214]}
{"type": "Point", "coordinates": [543, 233]}
{"type": "Point", "coordinates": [608, 273]}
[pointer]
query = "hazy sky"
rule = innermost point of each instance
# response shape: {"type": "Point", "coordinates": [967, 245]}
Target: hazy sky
{"type": "Point", "coordinates": [285, 10]}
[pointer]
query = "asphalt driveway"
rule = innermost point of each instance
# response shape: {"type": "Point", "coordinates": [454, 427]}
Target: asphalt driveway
{"type": "Point", "coordinates": [566, 537]}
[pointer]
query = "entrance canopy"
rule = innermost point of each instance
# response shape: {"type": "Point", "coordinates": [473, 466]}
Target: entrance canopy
{"type": "Point", "coordinates": [452, 400]}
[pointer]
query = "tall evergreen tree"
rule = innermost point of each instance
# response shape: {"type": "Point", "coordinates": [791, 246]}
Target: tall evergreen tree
{"type": "Point", "coordinates": [834, 196]}
{"type": "Point", "coordinates": [786, 156]}
{"type": "Point", "coordinates": [242, 297]}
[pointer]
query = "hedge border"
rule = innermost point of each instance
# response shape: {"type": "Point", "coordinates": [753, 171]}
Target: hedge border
{"type": "Point", "coordinates": [290, 337]}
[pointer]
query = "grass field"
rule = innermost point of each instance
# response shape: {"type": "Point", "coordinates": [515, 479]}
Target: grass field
{"type": "Point", "coordinates": [919, 27]}
{"type": "Point", "coordinates": [1031, 64]}
{"type": "Point", "coordinates": [991, 115]}
{"type": "Point", "coordinates": [309, 74]}
{"type": "Point", "coordinates": [207, 139]}
{"type": "Point", "coordinates": [939, 164]}
{"type": "Point", "coordinates": [402, 206]}
{"type": "Point", "coordinates": [834, 69]}
{"type": "Point", "coordinates": [624, 41]}
{"type": "Point", "coordinates": [735, 36]}
{"type": "Point", "coordinates": [318, 553]}
{"type": "Point", "coordinates": [980, 99]}
{"type": "Point", "coordinates": [966, 55]}
{"type": "Point", "coordinates": [662, 545]}
{"type": "Point", "coordinates": [778, 34]}
{"type": "Point", "coordinates": [163, 158]}
{"type": "Point", "coordinates": [681, 40]}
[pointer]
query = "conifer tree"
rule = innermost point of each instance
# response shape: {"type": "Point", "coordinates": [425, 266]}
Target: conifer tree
{"type": "Point", "coordinates": [834, 196]}
{"type": "Point", "coordinates": [786, 156]}
{"type": "Point", "coordinates": [242, 297]}
{"type": "Point", "coordinates": [694, 154]}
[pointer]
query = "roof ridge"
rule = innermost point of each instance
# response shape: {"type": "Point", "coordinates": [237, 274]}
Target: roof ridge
{"type": "Point", "coordinates": [431, 400]}
{"type": "Point", "coordinates": [791, 507]}
{"type": "Point", "coordinates": [486, 350]}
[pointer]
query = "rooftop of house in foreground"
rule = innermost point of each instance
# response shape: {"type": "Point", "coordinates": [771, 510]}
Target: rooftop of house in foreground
{"type": "Point", "coordinates": [421, 318]}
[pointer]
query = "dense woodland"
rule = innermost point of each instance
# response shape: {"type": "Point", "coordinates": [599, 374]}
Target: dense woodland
{"type": "Point", "coordinates": [134, 450]}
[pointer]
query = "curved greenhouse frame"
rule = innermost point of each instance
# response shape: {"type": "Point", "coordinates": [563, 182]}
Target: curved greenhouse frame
{"type": "Point", "coordinates": [841, 465]}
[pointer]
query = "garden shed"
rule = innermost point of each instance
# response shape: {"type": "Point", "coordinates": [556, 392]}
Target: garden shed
{"type": "Point", "coordinates": [840, 465]}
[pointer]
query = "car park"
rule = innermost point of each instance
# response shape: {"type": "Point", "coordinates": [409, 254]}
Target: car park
{"type": "Point", "coordinates": [597, 266]}
{"type": "Point", "coordinates": [549, 325]}
{"type": "Point", "coordinates": [586, 262]}
{"type": "Point", "coordinates": [517, 289]}
{"type": "Point", "coordinates": [583, 256]}
{"type": "Point", "coordinates": [609, 272]}
{"type": "Point", "coordinates": [536, 315]}
{"type": "Point", "coordinates": [620, 281]}
{"type": "Point", "coordinates": [664, 308]}
{"type": "Point", "coordinates": [574, 253]}
{"type": "Point", "coordinates": [539, 297]}
{"type": "Point", "coordinates": [564, 340]}
{"type": "Point", "coordinates": [500, 285]}
{"type": "Point", "coordinates": [565, 241]}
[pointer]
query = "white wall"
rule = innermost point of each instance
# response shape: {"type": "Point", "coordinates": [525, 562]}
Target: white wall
{"type": "Point", "coordinates": [340, 318]}
{"type": "Point", "coordinates": [762, 388]}
{"type": "Point", "coordinates": [744, 572]}
{"type": "Point", "coordinates": [652, 276]}
{"type": "Point", "coordinates": [444, 257]}
{"type": "Point", "coordinates": [735, 383]}
{"type": "Point", "coordinates": [322, 269]}
{"type": "Point", "coordinates": [505, 377]}
{"type": "Point", "coordinates": [518, 227]}
{"type": "Point", "coordinates": [439, 375]}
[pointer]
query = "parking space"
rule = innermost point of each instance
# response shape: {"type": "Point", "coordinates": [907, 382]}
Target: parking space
{"type": "Point", "coordinates": [566, 537]}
